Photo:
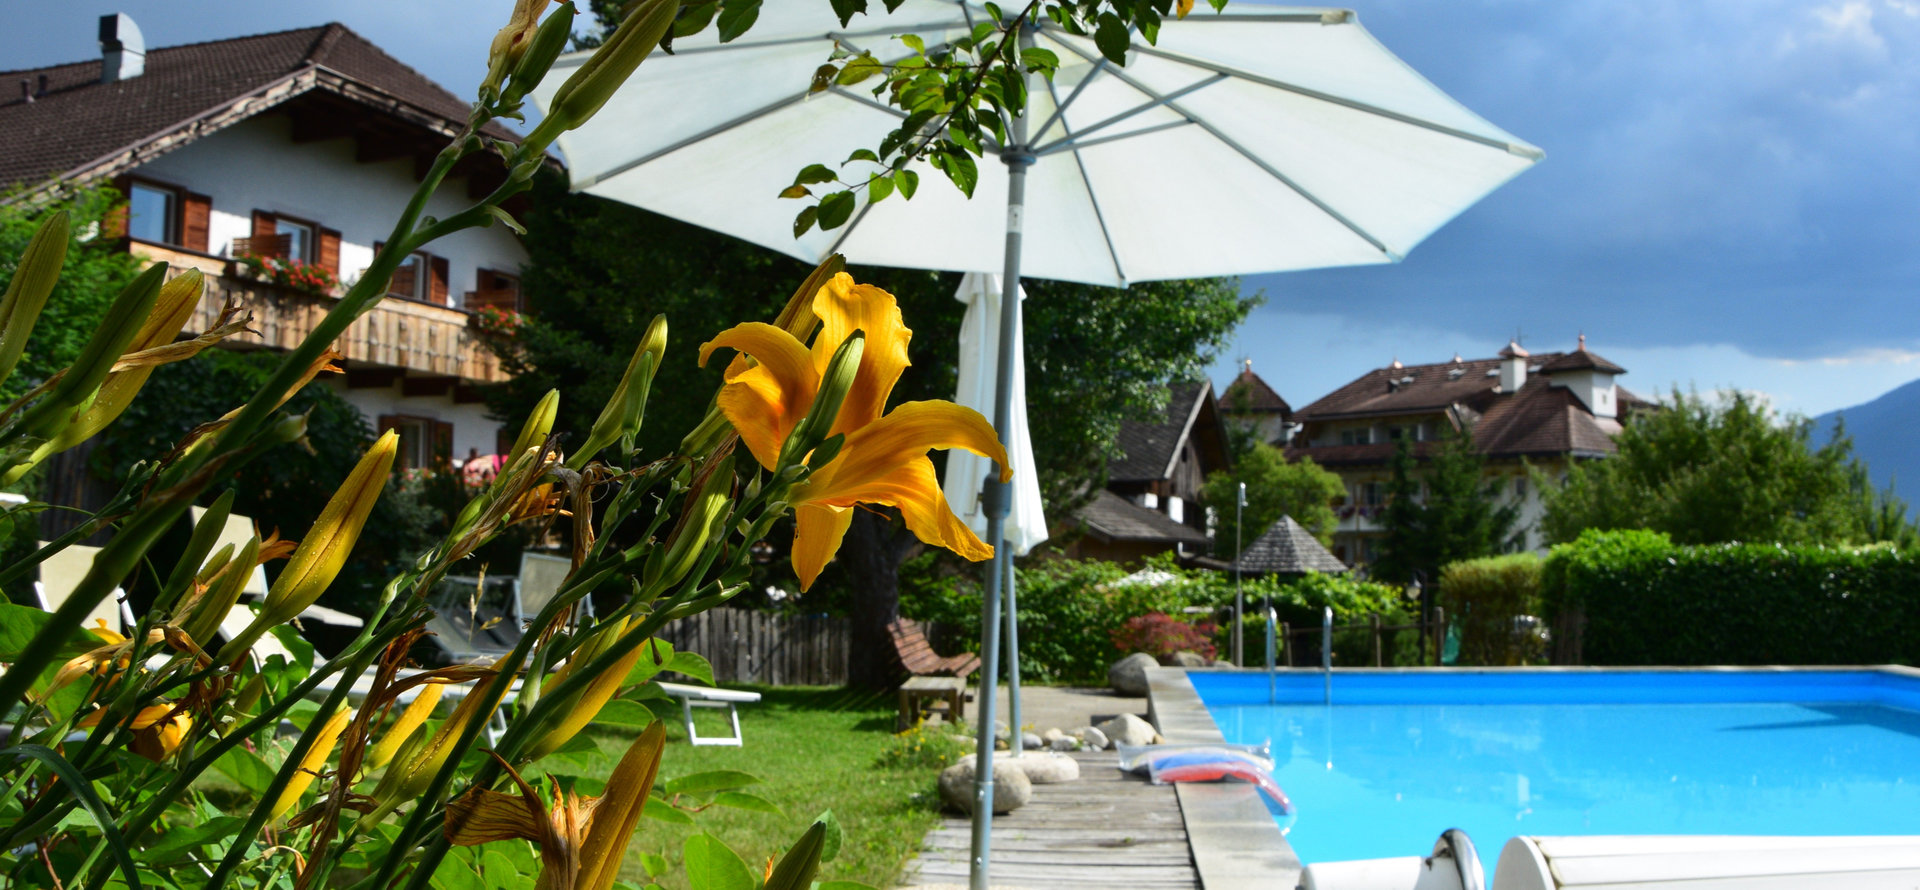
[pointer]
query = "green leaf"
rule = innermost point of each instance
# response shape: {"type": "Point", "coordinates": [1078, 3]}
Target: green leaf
{"type": "Point", "coordinates": [19, 623]}
{"type": "Point", "coordinates": [835, 208]}
{"type": "Point", "coordinates": [82, 789]}
{"type": "Point", "coordinates": [661, 811]}
{"type": "Point", "coordinates": [457, 872]}
{"type": "Point", "coordinates": [879, 189]}
{"type": "Point", "coordinates": [960, 168]}
{"type": "Point", "coordinates": [857, 69]}
{"type": "Point", "coordinates": [298, 645]}
{"type": "Point", "coordinates": [653, 864]}
{"type": "Point", "coordinates": [740, 800]}
{"type": "Point", "coordinates": [1111, 37]}
{"type": "Point", "coordinates": [621, 712]}
{"type": "Point", "coordinates": [863, 154]}
{"type": "Point", "coordinates": [736, 16]}
{"type": "Point", "coordinates": [693, 664]}
{"type": "Point", "coordinates": [796, 869]}
{"type": "Point", "coordinates": [712, 866]}
{"type": "Point", "coordinates": [716, 780]}
{"type": "Point", "coordinates": [246, 769]}
{"type": "Point", "coordinates": [804, 220]}
{"type": "Point", "coordinates": [993, 11]}
{"type": "Point", "coordinates": [178, 841]}
{"type": "Point", "coordinates": [653, 660]}
{"type": "Point", "coordinates": [907, 182]}
{"type": "Point", "coordinates": [694, 19]}
{"type": "Point", "coordinates": [847, 9]}
{"type": "Point", "coordinates": [814, 173]}
{"type": "Point", "coordinates": [795, 191]}
{"type": "Point", "coordinates": [1037, 59]}
{"type": "Point", "coordinates": [507, 219]}
{"type": "Point", "coordinates": [835, 836]}
{"type": "Point", "coordinates": [497, 871]}
{"type": "Point", "coordinates": [914, 42]}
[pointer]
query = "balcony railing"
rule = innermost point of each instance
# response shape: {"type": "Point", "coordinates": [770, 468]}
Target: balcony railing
{"type": "Point", "coordinates": [421, 338]}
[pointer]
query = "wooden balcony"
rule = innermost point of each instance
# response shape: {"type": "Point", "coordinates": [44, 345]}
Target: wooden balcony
{"type": "Point", "coordinates": [419, 339]}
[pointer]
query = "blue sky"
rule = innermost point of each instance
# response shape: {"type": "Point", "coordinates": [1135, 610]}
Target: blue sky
{"type": "Point", "coordinates": [1730, 197]}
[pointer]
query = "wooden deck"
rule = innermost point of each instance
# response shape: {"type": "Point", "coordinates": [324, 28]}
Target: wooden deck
{"type": "Point", "coordinates": [1105, 830]}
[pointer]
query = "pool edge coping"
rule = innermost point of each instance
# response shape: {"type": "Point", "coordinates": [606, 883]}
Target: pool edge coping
{"type": "Point", "coordinates": [1233, 839]}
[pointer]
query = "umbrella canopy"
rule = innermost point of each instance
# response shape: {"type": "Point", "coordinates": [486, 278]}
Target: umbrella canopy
{"type": "Point", "coordinates": [1260, 139]}
{"type": "Point", "coordinates": [1287, 548]}
{"type": "Point", "coordinates": [966, 471]}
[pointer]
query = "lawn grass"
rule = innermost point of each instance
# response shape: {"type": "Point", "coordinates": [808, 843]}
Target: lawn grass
{"type": "Point", "coordinates": [815, 749]}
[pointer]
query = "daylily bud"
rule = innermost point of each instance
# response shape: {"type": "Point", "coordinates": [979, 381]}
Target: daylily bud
{"type": "Point", "coordinates": [206, 533]}
{"type": "Point", "coordinates": [546, 46]}
{"type": "Point", "coordinates": [33, 279]}
{"type": "Point", "coordinates": [202, 618]}
{"type": "Point", "coordinates": [249, 695]}
{"type": "Point", "coordinates": [122, 323]}
{"type": "Point", "coordinates": [797, 868]}
{"type": "Point", "coordinates": [511, 42]}
{"type": "Point", "coordinates": [410, 775]}
{"type": "Point", "coordinates": [539, 425]}
{"type": "Point", "coordinates": [834, 386]}
{"type": "Point", "coordinates": [403, 728]}
{"type": "Point", "coordinates": [587, 704]}
{"type": "Point", "coordinates": [589, 88]}
{"type": "Point", "coordinates": [316, 757]}
{"type": "Point", "coordinates": [620, 419]}
{"type": "Point", "coordinates": [171, 311]}
{"type": "Point", "coordinates": [324, 551]}
{"type": "Point", "coordinates": [695, 532]}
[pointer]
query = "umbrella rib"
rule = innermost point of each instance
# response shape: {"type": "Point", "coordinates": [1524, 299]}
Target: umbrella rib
{"type": "Point", "coordinates": [1257, 161]}
{"type": "Point", "coordinates": [854, 224]}
{"type": "Point", "coordinates": [574, 60]}
{"type": "Point", "coordinates": [1525, 151]}
{"type": "Point", "coordinates": [1072, 143]}
{"type": "Point", "coordinates": [1124, 115]}
{"type": "Point", "coordinates": [1086, 182]}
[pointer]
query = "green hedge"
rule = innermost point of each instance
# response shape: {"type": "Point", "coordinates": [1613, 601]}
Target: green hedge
{"type": "Point", "coordinates": [1069, 610]}
{"type": "Point", "coordinates": [1648, 601]}
{"type": "Point", "coordinates": [1482, 597]}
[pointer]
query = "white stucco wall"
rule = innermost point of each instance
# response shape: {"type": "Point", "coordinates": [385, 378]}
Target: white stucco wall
{"type": "Point", "coordinates": [256, 165]}
{"type": "Point", "coordinates": [472, 429]}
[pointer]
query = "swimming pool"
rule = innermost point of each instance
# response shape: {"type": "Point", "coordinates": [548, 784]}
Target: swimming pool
{"type": "Point", "coordinates": [1402, 755]}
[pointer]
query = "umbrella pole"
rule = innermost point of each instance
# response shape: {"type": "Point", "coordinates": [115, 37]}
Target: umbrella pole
{"type": "Point", "coordinates": [1013, 664]}
{"type": "Point", "coordinates": [999, 501]}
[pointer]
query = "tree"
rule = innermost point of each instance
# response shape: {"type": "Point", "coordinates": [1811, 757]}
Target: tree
{"type": "Point", "coordinates": [1731, 470]}
{"type": "Point", "coordinates": [1275, 488]}
{"type": "Point", "coordinates": [95, 271]}
{"type": "Point", "coordinates": [600, 270]}
{"type": "Point", "coordinates": [1442, 513]}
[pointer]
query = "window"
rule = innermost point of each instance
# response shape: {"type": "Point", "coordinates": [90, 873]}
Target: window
{"type": "Point", "coordinates": [1520, 487]}
{"type": "Point", "coordinates": [296, 239]}
{"type": "Point", "coordinates": [410, 278]}
{"type": "Point", "coordinates": [1367, 494]}
{"type": "Point", "coordinates": [153, 213]}
{"type": "Point", "coordinates": [1362, 436]}
{"type": "Point", "coordinates": [425, 443]}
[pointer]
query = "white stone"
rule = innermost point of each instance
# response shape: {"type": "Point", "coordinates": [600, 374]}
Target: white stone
{"type": "Point", "coordinates": [1065, 743]}
{"type": "Point", "coordinates": [1094, 738]}
{"type": "Point", "coordinates": [1128, 729]}
{"type": "Point", "coordinates": [1128, 676]}
{"type": "Point", "coordinates": [1011, 787]}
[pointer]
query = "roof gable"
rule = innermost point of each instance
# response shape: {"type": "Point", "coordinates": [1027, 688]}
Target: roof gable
{"type": "Point", "coordinates": [1111, 517]}
{"type": "Point", "coordinates": [1287, 548]}
{"type": "Point", "coordinates": [1248, 394]}
{"type": "Point", "coordinates": [1149, 450]}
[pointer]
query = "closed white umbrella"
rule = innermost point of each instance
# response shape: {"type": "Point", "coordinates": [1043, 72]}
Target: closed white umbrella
{"type": "Point", "coordinates": [1262, 139]}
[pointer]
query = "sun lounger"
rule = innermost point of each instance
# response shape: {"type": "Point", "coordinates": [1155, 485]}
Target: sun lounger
{"type": "Point", "coordinates": [61, 573]}
{"type": "Point", "coordinates": [703, 697]}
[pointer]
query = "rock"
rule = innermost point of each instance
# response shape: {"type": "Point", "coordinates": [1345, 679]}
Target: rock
{"type": "Point", "coordinates": [1222, 663]}
{"type": "Point", "coordinates": [1128, 676]}
{"type": "Point", "coordinates": [1186, 659]}
{"type": "Point", "coordinates": [1000, 729]}
{"type": "Point", "coordinates": [1031, 741]}
{"type": "Point", "coordinates": [1128, 729]}
{"type": "Point", "coordinates": [1065, 743]}
{"type": "Point", "coordinates": [1040, 767]}
{"type": "Point", "coordinates": [1094, 738]}
{"type": "Point", "coordinates": [967, 740]}
{"type": "Point", "coordinates": [1047, 768]}
{"type": "Point", "coordinates": [1050, 735]}
{"type": "Point", "coordinates": [1011, 787]}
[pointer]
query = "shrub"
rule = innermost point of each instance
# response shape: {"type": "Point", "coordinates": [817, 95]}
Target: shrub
{"type": "Point", "coordinates": [1483, 597]}
{"type": "Point", "coordinates": [1642, 600]}
{"type": "Point", "coordinates": [1160, 635]}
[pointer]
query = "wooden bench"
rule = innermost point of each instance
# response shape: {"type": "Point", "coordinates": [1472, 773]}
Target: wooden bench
{"type": "Point", "coordinates": [951, 690]}
{"type": "Point", "coordinates": [919, 659]}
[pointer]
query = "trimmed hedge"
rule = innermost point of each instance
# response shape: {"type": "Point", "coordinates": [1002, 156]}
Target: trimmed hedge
{"type": "Point", "coordinates": [1482, 597]}
{"type": "Point", "coordinates": [1647, 601]}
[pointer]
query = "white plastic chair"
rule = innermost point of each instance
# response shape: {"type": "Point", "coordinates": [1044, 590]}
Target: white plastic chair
{"type": "Point", "coordinates": [61, 573]}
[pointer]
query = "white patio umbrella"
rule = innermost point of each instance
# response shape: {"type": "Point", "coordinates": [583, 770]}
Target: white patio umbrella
{"type": "Point", "coordinates": [1258, 140]}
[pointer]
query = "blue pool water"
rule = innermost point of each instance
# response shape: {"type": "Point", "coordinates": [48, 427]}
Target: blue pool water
{"type": "Point", "coordinates": [1400, 757]}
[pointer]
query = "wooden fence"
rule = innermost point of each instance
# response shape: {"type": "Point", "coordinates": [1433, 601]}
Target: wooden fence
{"type": "Point", "coordinates": [746, 646]}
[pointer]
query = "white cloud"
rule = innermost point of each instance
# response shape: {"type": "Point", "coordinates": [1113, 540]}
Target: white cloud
{"type": "Point", "coordinates": [1850, 22]}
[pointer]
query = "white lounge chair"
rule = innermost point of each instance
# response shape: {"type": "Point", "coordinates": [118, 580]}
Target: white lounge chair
{"type": "Point", "coordinates": [61, 573]}
{"type": "Point", "coordinates": [703, 697]}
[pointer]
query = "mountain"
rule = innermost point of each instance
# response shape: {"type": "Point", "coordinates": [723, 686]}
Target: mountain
{"type": "Point", "coordinates": [1883, 432]}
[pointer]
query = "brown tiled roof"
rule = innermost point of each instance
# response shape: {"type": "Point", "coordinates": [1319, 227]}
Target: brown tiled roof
{"type": "Point", "coordinates": [1147, 450]}
{"type": "Point", "coordinates": [1388, 391]}
{"type": "Point", "coordinates": [1114, 518]}
{"type": "Point", "coordinates": [1287, 548]}
{"type": "Point", "coordinates": [81, 124]}
{"type": "Point", "coordinates": [1541, 419]}
{"type": "Point", "coordinates": [1249, 394]}
{"type": "Point", "coordinates": [1581, 359]}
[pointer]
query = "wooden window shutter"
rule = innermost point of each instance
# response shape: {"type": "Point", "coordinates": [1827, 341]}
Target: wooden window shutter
{"type": "Point", "coordinates": [114, 223]}
{"type": "Point", "coordinates": [442, 444]}
{"type": "Point", "coordinates": [261, 244]}
{"type": "Point", "coordinates": [196, 213]}
{"type": "Point", "coordinates": [329, 252]}
{"type": "Point", "coordinates": [438, 291]}
{"type": "Point", "coordinates": [386, 422]}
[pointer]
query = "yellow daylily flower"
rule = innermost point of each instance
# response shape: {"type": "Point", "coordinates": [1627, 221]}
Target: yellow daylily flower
{"type": "Point", "coordinates": [311, 764]}
{"type": "Point", "coordinates": [884, 458]}
{"type": "Point", "coordinates": [582, 839]}
{"type": "Point", "coordinates": [157, 730]}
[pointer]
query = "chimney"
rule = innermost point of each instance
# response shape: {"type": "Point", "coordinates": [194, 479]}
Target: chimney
{"type": "Point", "coordinates": [26, 90]}
{"type": "Point", "coordinates": [1513, 367]}
{"type": "Point", "coordinates": [123, 52]}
